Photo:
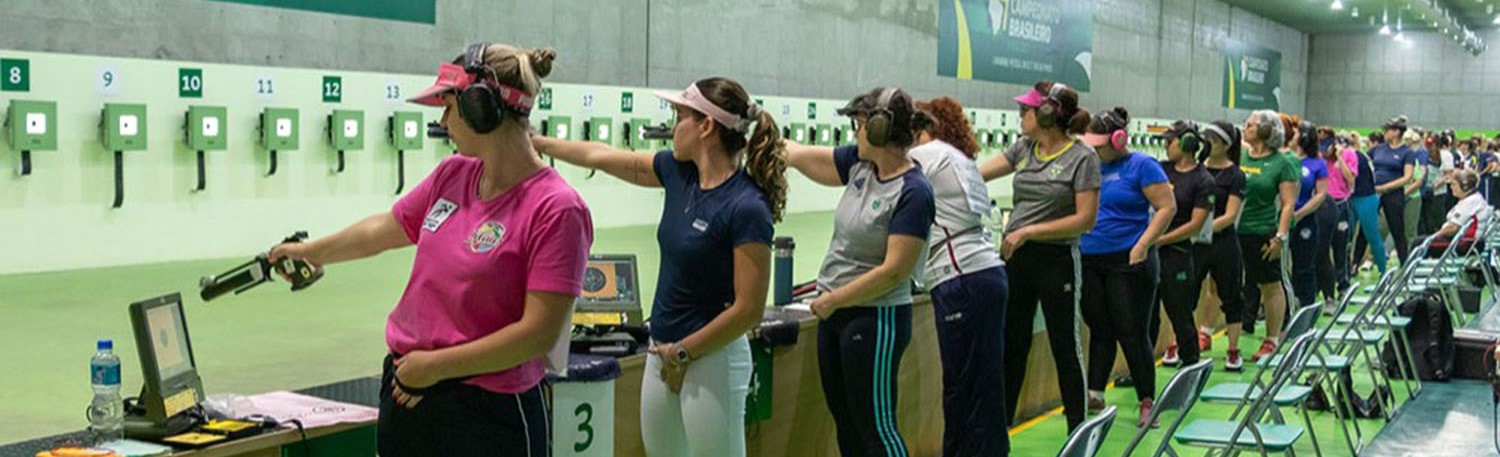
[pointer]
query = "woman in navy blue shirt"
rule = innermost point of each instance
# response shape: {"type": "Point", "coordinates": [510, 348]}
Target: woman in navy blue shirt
{"type": "Point", "coordinates": [1394, 163]}
{"type": "Point", "coordinates": [715, 240]}
{"type": "Point", "coordinates": [1119, 259]}
{"type": "Point", "coordinates": [880, 231]}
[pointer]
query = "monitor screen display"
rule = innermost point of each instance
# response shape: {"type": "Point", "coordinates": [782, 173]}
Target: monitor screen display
{"type": "Point", "coordinates": [610, 284]}
{"type": "Point", "coordinates": [169, 341]}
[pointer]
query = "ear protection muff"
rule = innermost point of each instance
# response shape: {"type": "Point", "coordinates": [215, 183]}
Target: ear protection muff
{"type": "Point", "coordinates": [1118, 137]}
{"type": "Point", "coordinates": [1188, 138]}
{"type": "Point", "coordinates": [878, 122]}
{"type": "Point", "coordinates": [1051, 108]}
{"type": "Point", "coordinates": [477, 103]}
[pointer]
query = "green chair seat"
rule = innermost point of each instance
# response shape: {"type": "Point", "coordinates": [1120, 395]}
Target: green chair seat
{"type": "Point", "coordinates": [1276, 438]}
{"type": "Point", "coordinates": [1367, 336]}
{"type": "Point", "coordinates": [1233, 392]}
{"type": "Point", "coordinates": [1399, 322]}
{"type": "Point", "coordinates": [1327, 362]}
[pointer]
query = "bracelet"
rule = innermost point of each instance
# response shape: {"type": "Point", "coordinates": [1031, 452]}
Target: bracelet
{"type": "Point", "coordinates": [409, 389]}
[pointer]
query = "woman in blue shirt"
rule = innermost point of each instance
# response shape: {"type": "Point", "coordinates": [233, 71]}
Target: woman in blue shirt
{"type": "Point", "coordinates": [1312, 191]}
{"type": "Point", "coordinates": [1395, 164]}
{"type": "Point", "coordinates": [715, 240]}
{"type": "Point", "coordinates": [1119, 259]}
{"type": "Point", "coordinates": [880, 231]}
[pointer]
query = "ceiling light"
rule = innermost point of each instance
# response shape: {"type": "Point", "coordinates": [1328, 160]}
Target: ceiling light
{"type": "Point", "coordinates": [1337, 5]}
{"type": "Point", "coordinates": [1497, 19]}
{"type": "Point", "coordinates": [1385, 29]}
{"type": "Point", "coordinates": [1354, 12]}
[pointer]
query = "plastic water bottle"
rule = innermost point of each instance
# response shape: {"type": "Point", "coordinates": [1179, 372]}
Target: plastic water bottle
{"type": "Point", "coordinates": [107, 412]}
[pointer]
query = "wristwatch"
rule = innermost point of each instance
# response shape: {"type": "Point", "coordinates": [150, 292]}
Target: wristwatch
{"type": "Point", "coordinates": [682, 354]}
{"type": "Point", "coordinates": [1281, 236]}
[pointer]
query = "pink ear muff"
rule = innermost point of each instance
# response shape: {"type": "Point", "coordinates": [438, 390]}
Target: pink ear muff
{"type": "Point", "coordinates": [1118, 139]}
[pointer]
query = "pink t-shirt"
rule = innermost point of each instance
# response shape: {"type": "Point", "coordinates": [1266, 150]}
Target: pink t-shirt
{"type": "Point", "coordinates": [1338, 188]}
{"type": "Point", "coordinates": [477, 259]}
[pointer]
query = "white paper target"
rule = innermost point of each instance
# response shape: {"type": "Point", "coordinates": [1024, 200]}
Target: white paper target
{"type": "Point", "coordinates": [603, 133]}
{"type": "Point", "coordinates": [351, 128]}
{"type": "Point", "coordinates": [562, 132]}
{"type": "Point", "coordinates": [128, 125]}
{"type": "Point", "coordinates": [409, 129]}
{"type": "Point", "coordinates": [283, 127]}
{"type": "Point", "coordinates": [210, 126]}
{"type": "Point", "coordinates": [36, 123]}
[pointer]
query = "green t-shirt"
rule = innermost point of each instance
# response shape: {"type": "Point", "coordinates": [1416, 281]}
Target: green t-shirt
{"type": "Point", "coordinates": [1262, 199]}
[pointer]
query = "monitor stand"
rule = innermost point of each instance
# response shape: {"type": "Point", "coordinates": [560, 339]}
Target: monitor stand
{"type": "Point", "coordinates": [138, 427]}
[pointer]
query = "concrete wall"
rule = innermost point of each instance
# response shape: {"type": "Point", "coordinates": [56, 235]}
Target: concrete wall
{"type": "Point", "coordinates": [1364, 79]}
{"type": "Point", "coordinates": [1157, 57]}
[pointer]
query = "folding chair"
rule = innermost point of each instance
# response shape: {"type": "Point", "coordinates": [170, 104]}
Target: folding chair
{"type": "Point", "coordinates": [1248, 432]}
{"type": "Point", "coordinates": [1241, 394]}
{"type": "Point", "coordinates": [1085, 440]}
{"type": "Point", "coordinates": [1180, 395]}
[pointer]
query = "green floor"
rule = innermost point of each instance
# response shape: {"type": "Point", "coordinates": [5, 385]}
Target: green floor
{"type": "Point", "coordinates": [1046, 437]}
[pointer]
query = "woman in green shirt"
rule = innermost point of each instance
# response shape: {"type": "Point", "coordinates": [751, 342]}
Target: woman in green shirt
{"type": "Point", "coordinates": [1270, 195]}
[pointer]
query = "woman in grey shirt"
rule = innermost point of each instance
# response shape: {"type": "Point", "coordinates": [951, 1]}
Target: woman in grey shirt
{"type": "Point", "coordinates": [880, 231]}
{"type": "Point", "coordinates": [1056, 199]}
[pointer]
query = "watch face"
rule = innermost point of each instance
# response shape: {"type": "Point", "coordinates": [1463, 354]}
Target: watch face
{"type": "Point", "coordinates": [593, 279]}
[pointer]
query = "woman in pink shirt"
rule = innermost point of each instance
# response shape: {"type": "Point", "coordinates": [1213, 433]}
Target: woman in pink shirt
{"type": "Point", "coordinates": [501, 245]}
{"type": "Point", "coordinates": [1343, 166]}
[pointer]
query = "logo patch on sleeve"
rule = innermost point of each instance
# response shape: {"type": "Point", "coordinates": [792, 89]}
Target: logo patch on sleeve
{"type": "Point", "coordinates": [439, 214]}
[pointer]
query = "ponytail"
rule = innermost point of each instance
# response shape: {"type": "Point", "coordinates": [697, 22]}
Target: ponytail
{"type": "Point", "coordinates": [765, 161]}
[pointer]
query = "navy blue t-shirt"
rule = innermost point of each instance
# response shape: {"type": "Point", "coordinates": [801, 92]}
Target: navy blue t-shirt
{"type": "Point", "coordinates": [1390, 163]}
{"type": "Point", "coordinates": [1124, 210]}
{"type": "Point", "coordinates": [1313, 170]}
{"type": "Point", "coordinates": [698, 232]}
{"type": "Point", "coordinates": [1364, 182]}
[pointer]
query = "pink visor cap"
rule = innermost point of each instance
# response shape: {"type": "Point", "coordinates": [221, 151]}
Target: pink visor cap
{"type": "Point", "coordinates": [693, 98]}
{"type": "Point", "coordinates": [1032, 98]}
{"type": "Point", "coordinates": [453, 77]}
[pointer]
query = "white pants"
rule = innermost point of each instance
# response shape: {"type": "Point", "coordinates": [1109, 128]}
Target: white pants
{"type": "Point", "coordinates": [708, 417]}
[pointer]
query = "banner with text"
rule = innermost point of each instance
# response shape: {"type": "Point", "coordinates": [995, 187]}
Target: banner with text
{"type": "Point", "coordinates": [1017, 41]}
{"type": "Point", "coordinates": [1252, 76]}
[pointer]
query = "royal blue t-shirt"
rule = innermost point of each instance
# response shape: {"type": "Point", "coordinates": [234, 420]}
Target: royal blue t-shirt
{"type": "Point", "coordinates": [698, 232]}
{"type": "Point", "coordinates": [1313, 170]}
{"type": "Point", "coordinates": [1124, 211]}
{"type": "Point", "coordinates": [1390, 163]}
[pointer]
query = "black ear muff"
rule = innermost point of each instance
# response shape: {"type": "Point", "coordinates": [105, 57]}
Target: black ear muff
{"type": "Point", "coordinates": [878, 124]}
{"type": "Point", "coordinates": [478, 104]}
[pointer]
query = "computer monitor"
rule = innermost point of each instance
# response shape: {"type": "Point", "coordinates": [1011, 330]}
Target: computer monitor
{"type": "Point", "coordinates": [611, 283]}
{"type": "Point", "coordinates": [168, 370]}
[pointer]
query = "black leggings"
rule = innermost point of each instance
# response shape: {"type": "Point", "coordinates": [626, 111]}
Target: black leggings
{"type": "Point", "coordinates": [1304, 247]}
{"type": "Point", "coordinates": [1328, 219]}
{"type": "Point", "coordinates": [1117, 306]}
{"type": "Point", "coordinates": [1178, 295]}
{"type": "Point", "coordinates": [1393, 206]}
{"type": "Point", "coordinates": [1434, 208]}
{"type": "Point", "coordinates": [859, 355]}
{"type": "Point", "coordinates": [459, 419]}
{"type": "Point", "coordinates": [1044, 274]}
{"type": "Point", "coordinates": [1222, 260]}
{"type": "Point", "coordinates": [1339, 243]}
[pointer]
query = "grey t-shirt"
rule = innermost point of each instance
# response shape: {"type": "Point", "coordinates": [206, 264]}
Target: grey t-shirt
{"type": "Point", "coordinates": [1044, 188]}
{"type": "Point", "coordinates": [960, 241]}
{"type": "Point", "coordinates": [867, 215]}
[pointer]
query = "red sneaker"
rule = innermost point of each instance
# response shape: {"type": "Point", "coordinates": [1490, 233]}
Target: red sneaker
{"type": "Point", "coordinates": [1233, 362]}
{"type": "Point", "coordinates": [1171, 358]}
{"type": "Point", "coordinates": [1205, 341]}
{"type": "Point", "coordinates": [1267, 348]}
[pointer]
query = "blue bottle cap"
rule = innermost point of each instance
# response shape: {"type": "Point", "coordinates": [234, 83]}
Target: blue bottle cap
{"type": "Point", "coordinates": [106, 344]}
